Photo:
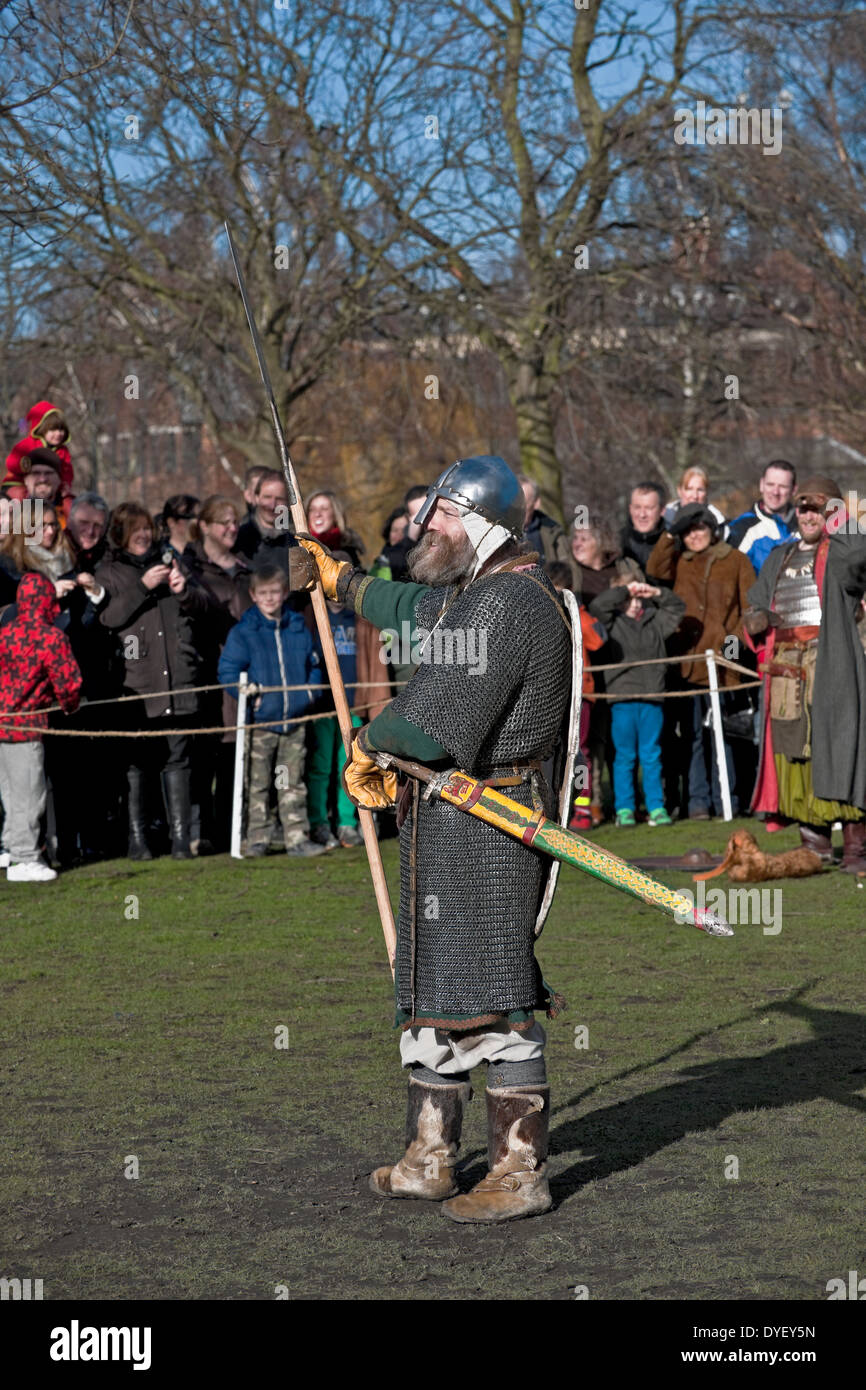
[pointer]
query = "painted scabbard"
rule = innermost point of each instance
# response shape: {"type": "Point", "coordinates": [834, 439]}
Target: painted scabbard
{"type": "Point", "coordinates": [470, 795]}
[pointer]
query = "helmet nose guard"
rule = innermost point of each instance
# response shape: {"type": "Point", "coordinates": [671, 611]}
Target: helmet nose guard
{"type": "Point", "coordinates": [486, 485]}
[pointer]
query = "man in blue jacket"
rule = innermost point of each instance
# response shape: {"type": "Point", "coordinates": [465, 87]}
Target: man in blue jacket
{"type": "Point", "coordinates": [772, 520]}
{"type": "Point", "coordinates": [275, 648]}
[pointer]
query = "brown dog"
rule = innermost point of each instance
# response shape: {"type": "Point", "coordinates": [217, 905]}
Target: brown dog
{"type": "Point", "coordinates": [744, 862]}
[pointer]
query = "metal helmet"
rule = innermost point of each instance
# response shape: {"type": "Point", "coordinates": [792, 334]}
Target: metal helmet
{"type": "Point", "coordinates": [486, 485]}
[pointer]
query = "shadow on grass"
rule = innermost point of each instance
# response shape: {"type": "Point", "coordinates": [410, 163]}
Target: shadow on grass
{"type": "Point", "coordinates": [831, 1065]}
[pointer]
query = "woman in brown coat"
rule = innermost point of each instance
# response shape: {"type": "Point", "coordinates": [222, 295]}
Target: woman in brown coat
{"type": "Point", "coordinates": [713, 580]}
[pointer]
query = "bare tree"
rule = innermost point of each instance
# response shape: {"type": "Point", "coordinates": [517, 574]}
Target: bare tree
{"type": "Point", "coordinates": [122, 183]}
{"type": "Point", "coordinates": [73, 39]}
{"type": "Point", "coordinates": [464, 180]}
{"type": "Point", "coordinates": [503, 140]}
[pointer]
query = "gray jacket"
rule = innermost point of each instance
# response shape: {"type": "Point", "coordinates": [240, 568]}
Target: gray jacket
{"type": "Point", "coordinates": [636, 639]}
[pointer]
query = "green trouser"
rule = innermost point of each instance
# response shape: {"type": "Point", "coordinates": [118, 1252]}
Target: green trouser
{"type": "Point", "coordinates": [277, 759]}
{"type": "Point", "coordinates": [324, 768]}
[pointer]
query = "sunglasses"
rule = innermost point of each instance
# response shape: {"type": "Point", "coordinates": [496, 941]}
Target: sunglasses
{"type": "Point", "coordinates": [810, 507]}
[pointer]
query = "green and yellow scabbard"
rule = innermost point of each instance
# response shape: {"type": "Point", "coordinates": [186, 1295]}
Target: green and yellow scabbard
{"type": "Point", "coordinates": [539, 832]}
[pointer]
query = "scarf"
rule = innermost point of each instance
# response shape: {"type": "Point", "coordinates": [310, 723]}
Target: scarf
{"type": "Point", "coordinates": [51, 563]}
{"type": "Point", "coordinates": [332, 538]}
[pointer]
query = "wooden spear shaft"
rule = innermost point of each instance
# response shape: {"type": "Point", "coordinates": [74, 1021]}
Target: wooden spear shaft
{"type": "Point", "coordinates": [323, 624]}
{"type": "Point", "coordinates": [344, 718]}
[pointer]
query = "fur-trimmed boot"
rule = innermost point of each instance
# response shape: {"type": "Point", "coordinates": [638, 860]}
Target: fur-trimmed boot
{"type": "Point", "coordinates": [434, 1120]}
{"type": "Point", "coordinates": [516, 1185]}
{"type": "Point", "coordinates": [854, 852]}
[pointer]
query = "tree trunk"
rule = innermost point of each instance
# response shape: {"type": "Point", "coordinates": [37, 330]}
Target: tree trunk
{"type": "Point", "coordinates": [694, 376]}
{"type": "Point", "coordinates": [530, 391]}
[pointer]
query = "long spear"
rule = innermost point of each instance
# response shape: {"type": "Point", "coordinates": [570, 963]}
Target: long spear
{"type": "Point", "coordinates": [472, 796]}
{"type": "Point", "coordinates": [320, 611]}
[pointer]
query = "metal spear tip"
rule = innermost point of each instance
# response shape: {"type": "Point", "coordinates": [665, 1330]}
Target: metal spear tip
{"type": "Point", "coordinates": [711, 922]}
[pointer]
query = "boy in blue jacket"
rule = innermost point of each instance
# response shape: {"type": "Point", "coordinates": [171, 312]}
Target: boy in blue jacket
{"type": "Point", "coordinates": [275, 648]}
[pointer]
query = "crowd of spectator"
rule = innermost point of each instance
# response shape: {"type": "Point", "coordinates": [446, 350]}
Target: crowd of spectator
{"type": "Point", "coordinates": [673, 583]}
{"type": "Point", "coordinates": [124, 634]}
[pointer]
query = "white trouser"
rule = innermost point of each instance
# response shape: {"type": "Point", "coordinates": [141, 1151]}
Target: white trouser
{"type": "Point", "coordinates": [447, 1053]}
{"type": "Point", "coordinates": [23, 794]}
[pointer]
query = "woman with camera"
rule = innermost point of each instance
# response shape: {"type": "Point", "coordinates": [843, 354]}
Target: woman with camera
{"type": "Point", "coordinates": [150, 609]}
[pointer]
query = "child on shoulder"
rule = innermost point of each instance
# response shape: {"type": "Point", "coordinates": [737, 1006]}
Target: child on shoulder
{"type": "Point", "coordinates": [48, 431]}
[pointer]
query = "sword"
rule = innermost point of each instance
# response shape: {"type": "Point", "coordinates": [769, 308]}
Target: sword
{"type": "Point", "coordinates": [326, 635]}
{"type": "Point", "coordinates": [469, 794]}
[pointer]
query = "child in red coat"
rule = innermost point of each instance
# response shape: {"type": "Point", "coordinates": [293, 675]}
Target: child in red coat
{"type": "Point", "coordinates": [48, 429]}
{"type": "Point", "coordinates": [37, 668]}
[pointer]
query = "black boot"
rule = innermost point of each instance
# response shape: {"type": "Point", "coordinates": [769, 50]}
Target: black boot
{"type": "Point", "coordinates": [137, 815]}
{"type": "Point", "coordinates": [816, 838]}
{"type": "Point", "coordinates": [179, 810]}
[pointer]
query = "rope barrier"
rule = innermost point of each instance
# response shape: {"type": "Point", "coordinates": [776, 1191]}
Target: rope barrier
{"type": "Point", "coordinates": [195, 690]}
{"type": "Point", "coordinates": [330, 714]}
{"type": "Point", "coordinates": [675, 661]}
{"type": "Point", "coordinates": [376, 685]}
{"type": "Point", "coordinates": [674, 694]}
{"type": "Point", "coordinates": [167, 733]}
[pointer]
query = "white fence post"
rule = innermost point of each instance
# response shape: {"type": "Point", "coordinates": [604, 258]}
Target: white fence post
{"type": "Point", "coordinates": [240, 766]}
{"type": "Point", "coordinates": [718, 735]}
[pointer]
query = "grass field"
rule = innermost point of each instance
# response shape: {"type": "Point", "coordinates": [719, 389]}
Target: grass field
{"type": "Point", "coordinates": [150, 1042]}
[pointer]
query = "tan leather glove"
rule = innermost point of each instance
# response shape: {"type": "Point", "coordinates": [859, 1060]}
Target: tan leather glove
{"type": "Point", "coordinates": [366, 783]}
{"type": "Point", "coordinates": [329, 568]}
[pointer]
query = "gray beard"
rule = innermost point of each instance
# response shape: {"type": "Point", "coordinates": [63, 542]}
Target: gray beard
{"type": "Point", "coordinates": [446, 563]}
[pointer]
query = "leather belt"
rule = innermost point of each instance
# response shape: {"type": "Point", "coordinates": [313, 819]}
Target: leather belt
{"type": "Point", "coordinates": [512, 776]}
{"type": "Point", "coordinates": [776, 668]}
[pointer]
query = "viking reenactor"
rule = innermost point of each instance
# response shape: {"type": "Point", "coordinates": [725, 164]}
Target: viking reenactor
{"type": "Point", "coordinates": [804, 609]}
{"type": "Point", "coordinates": [489, 696]}
{"type": "Point", "coordinates": [496, 663]}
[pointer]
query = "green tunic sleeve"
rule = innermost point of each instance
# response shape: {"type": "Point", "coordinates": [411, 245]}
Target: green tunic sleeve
{"type": "Point", "coordinates": [386, 603]}
{"type": "Point", "coordinates": [391, 733]}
